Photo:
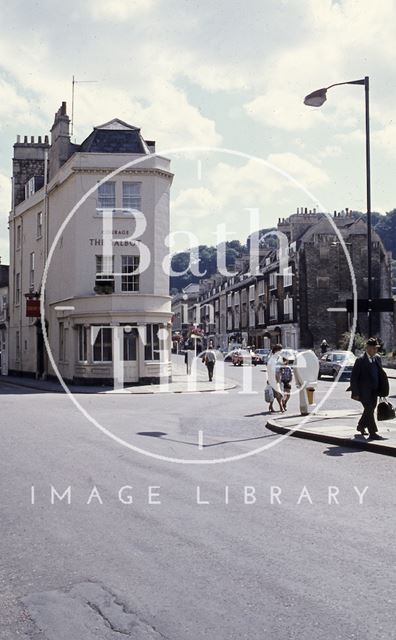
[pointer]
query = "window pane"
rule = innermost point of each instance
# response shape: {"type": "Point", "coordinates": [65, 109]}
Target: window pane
{"type": "Point", "coordinates": [129, 264]}
{"type": "Point", "coordinates": [107, 345]}
{"type": "Point", "coordinates": [106, 195]}
{"type": "Point", "coordinates": [97, 349]}
{"type": "Point", "coordinates": [82, 343]}
{"type": "Point", "coordinates": [148, 349]}
{"type": "Point", "coordinates": [156, 344]}
{"type": "Point", "coordinates": [131, 198]}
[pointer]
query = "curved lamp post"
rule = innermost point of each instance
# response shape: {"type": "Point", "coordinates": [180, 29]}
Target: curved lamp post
{"type": "Point", "coordinates": [316, 99]}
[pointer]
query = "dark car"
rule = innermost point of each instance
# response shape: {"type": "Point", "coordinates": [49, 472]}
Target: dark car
{"type": "Point", "coordinates": [263, 355]}
{"type": "Point", "coordinates": [332, 362]}
{"type": "Point", "coordinates": [244, 356]}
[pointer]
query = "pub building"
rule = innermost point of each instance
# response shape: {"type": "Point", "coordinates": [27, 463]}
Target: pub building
{"type": "Point", "coordinates": [102, 306]}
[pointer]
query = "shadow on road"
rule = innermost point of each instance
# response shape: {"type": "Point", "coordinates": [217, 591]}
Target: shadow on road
{"type": "Point", "coordinates": [161, 434]}
{"type": "Point", "coordinates": [340, 451]}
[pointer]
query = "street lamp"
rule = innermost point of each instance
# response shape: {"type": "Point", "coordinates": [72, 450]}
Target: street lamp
{"type": "Point", "coordinates": [316, 99]}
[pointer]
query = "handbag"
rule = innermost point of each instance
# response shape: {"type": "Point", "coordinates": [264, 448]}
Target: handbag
{"type": "Point", "coordinates": [268, 393]}
{"type": "Point", "coordinates": [385, 410]}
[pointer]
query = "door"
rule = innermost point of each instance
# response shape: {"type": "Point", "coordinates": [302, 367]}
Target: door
{"type": "Point", "coordinates": [130, 355]}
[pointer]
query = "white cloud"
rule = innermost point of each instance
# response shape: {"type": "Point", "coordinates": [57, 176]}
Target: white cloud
{"type": "Point", "coordinates": [330, 151]}
{"type": "Point", "coordinates": [282, 109]}
{"type": "Point", "coordinates": [195, 203]}
{"type": "Point", "coordinates": [118, 10]}
{"type": "Point", "coordinates": [5, 205]}
{"type": "Point", "coordinates": [385, 139]}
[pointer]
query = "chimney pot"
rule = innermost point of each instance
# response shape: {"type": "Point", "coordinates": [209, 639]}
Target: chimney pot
{"type": "Point", "coordinates": [25, 139]}
{"type": "Point", "coordinates": [46, 139]}
{"type": "Point", "coordinates": [39, 139]}
{"type": "Point", "coordinates": [31, 139]}
{"type": "Point", "coordinates": [306, 210]}
{"type": "Point", "coordinates": [18, 138]}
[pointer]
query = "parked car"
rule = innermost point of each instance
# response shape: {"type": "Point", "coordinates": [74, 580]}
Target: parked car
{"type": "Point", "coordinates": [263, 355]}
{"type": "Point", "coordinates": [332, 362]}
{"type": "Point", "coordinates": [244, 356]}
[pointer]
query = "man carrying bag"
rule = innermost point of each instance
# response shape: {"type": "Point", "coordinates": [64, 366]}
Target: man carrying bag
{"type": "Point", "coordinates": [368, 382]}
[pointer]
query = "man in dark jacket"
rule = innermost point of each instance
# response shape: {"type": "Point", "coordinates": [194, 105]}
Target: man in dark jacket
{"type": "Point", "coordinates": [368, 382]}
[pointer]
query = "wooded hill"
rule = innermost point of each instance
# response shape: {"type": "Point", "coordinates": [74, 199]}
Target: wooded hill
{"type": "Point", "coordinates": [384, 225]}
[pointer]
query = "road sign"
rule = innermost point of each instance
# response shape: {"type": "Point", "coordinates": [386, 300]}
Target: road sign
{"type": "Point", "coordinates": [379, 305]}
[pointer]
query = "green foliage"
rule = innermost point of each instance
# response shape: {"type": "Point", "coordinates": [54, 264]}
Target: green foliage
{"type": "Point", "coordinates": [386, 229]}
{"type": "Point", "coordinates": [207, 263]}
{"type": "Point", "coordinates": [359, 342]}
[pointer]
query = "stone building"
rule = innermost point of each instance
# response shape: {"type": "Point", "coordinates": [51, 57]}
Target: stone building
{"type": "Point", "coordinates": [301, 300]}
{"type": "Point", "coordinates": [4, 273]}
{"type": "Point", "coordinates": [106, 294]}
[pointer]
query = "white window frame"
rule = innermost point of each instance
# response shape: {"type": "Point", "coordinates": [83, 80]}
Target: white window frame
{"type": "Point", "coordinates": [107, 195]}
{"type": "Point", "coordinates": [39, 224]}
{"type": "Point", "coordinates": [130, 280]}
{"type": "Point", "coordinates": [18, 236]}
{"type": "Point", "coordinates": [83, 343]}
{"type": "Point", "coordinates": [31, 271]}
{"type": "Point", "coordinates": [153, 343]}
{"type": "Point", "coordinates": [17, 289]}
{"type": "Point", "coordinates": [274, 309]}
{"type": "Point", "coordinates": [101, 334]}
{"type": "Point", "coordinates": [132, 201]}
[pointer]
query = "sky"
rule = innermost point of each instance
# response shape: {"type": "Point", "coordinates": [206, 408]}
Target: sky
{"type": "Point", "coordinates": [214, 74]}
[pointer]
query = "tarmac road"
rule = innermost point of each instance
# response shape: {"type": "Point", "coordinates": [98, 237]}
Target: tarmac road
{"type": "Point", "coordinates": [164, 550]}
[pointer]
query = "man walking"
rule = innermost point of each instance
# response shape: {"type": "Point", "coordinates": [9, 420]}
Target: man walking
{"type": "Point", "coordinates": [210, 360]}
{"type": "Point", "coordinates": [368, 382]}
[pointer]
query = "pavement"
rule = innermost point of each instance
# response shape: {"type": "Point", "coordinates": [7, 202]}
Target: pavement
{"type": "Point", "coordinates": [181, 383]}
{"type": "Point", "coordinates": [337, 427]}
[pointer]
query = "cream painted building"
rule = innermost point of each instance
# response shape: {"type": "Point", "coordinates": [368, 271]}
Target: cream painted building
{"type": "Point", "coordinates": [107, 304]}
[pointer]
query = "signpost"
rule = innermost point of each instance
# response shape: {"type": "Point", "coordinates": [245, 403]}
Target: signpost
{"type": "Point", "coordinates": [378, 305]}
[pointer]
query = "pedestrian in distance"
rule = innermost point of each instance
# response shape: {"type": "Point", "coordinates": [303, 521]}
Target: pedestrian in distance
{"type": "Point", "coordinates": [209, 358]}
{"type": "Point", "coordinates": [188, 359]}
{"type": "Point", "coordinates": [324, 347]}
{"type": "Point", "coordinates": [273, 377]}
{"type": "Point", "coordinates": [285, 378]}
{"type": "Point", "coordinates": [369, 382]}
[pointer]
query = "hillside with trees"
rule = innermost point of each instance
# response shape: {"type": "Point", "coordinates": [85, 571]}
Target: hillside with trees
{"type": "Point", "coordinates": [384, 225]}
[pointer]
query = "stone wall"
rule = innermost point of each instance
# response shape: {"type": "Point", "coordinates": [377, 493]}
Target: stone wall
{"type": "Point", "coordinates": [28, 161]}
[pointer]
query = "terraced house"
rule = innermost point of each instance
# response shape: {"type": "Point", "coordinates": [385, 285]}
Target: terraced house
{"type": "Point", "coordinates": [302, 300]}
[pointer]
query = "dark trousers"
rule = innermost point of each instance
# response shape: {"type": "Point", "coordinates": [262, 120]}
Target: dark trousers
{"type": "Point", "coordinates": [210, 366]}
{"type": "Point", "coordinates": [367, 420]}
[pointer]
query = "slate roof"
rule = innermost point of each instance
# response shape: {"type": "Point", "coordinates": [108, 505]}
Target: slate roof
{"type": "Point", "coordinates": [115, 136]}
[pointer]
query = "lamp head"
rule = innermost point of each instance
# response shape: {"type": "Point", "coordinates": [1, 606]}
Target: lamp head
{"type": "Point", "coordinates": [316, 98]}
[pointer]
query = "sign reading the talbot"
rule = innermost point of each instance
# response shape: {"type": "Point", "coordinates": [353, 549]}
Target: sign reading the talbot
{"type": "Point", "coordinates": [98, 242]}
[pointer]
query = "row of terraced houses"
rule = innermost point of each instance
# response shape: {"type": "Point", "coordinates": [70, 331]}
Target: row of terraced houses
{"type": "Point", "coordinates": [300, 300]}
